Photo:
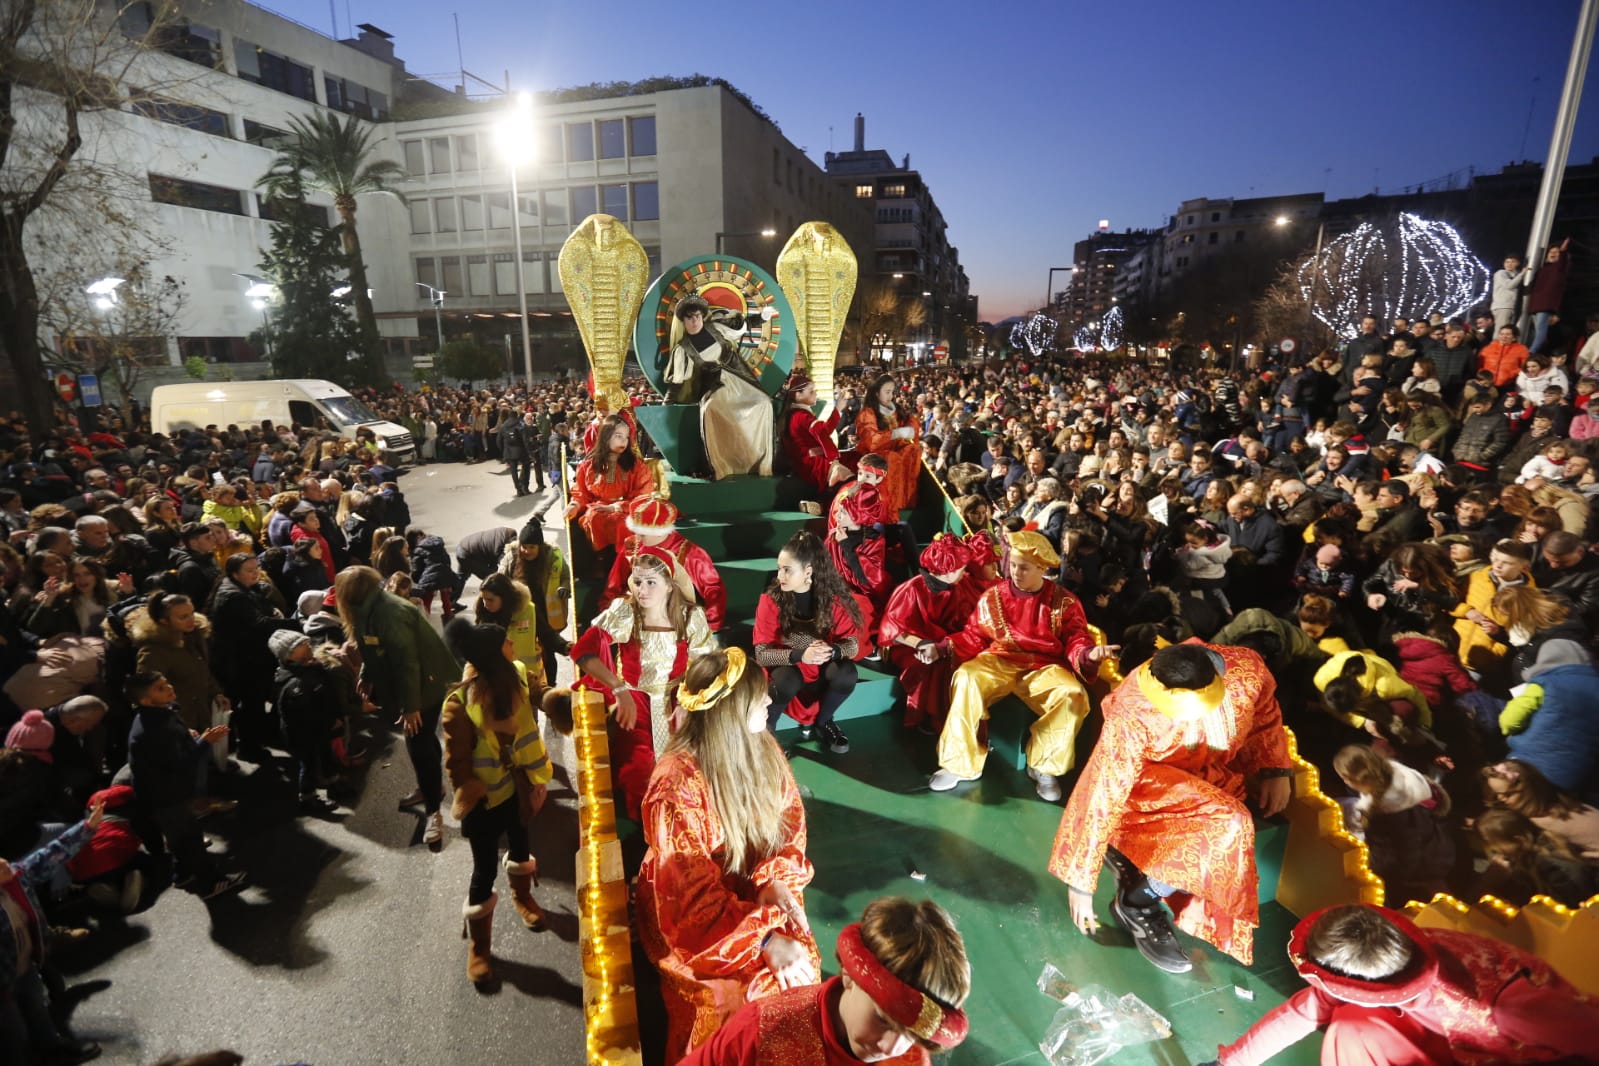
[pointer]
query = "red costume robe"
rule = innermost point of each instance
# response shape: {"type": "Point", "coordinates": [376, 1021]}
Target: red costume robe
{"type": "Point", "coordinates": [698, 923]}
{"type": "Point", "coordinates": [606, 529]}
{"type": "Point", "coordinates": [861, 557]}
{"type": "Point", "coordinates": [691, 558]}
{"type": "Point", "coordinates": [793, 1028]}
{"type": "Point", "coordinates": [1174, 805]}
{"type": "Point", "coordinates": [918, 610]}
{"type": "Point", "coordinates": [772, 648]}
{"type": "Point", "coordinates": [1462, 999]}
{"type": "Point", "coordinates": [1030, 629]}
{"type": "Point", "coordinates": [808, 443]}
{"type": "Point", "coordinates": [904, 455]}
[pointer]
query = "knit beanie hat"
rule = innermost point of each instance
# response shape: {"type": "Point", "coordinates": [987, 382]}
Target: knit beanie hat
{"type": "Point", "coordinates": [532, 533]}
{"type": "Point", "coordinates": [309, 603]}
{"type": "Point", "coordinates": [33, 735]}
{"type": "Point", "coordinates": [284, 641]}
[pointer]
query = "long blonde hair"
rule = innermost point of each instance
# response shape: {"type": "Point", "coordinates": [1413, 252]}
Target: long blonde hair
{"type": "Point", "coordinates": [678, 607]}
{"type": "Point", "coordinates": [745, 773]}
{"type": "Point", "coordinates": [353, 586]}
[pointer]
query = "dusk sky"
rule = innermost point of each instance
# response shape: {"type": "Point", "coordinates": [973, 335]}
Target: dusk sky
{"type": "Point", "coordinates": [1033, 119]}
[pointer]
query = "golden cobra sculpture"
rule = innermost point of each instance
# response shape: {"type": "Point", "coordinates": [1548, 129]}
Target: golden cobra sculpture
{"type": "Point", "coordinates": [605, 271]}
{"type": "Point", "coordinates": [817, 272]}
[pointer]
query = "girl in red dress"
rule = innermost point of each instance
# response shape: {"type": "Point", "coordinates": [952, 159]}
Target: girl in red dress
{"type": "Point", "coordinates": [808, 441]}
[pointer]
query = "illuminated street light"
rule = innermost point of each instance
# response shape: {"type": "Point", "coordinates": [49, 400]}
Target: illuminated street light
{"type": "Point", "coordinates": [104, 292]}
{"type": "Point", "coordinates": [514, 134]}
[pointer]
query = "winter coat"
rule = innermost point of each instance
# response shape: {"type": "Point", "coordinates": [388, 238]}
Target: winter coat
{"type": "Point", "coordinates": [197, 572]}
{"type": "Point", "coordinates": [1427, 663]}
{"type": "Point", "coordinates": [430, 566]}
{"type": "Point", "coordinates": [1483, 439]}
{"type": "Point", "coordinates": [1564, 643]}
{"type": "Point", "coordinates": [1578, 584]}
{"type": "Point", "coordinates": [1508, 287]}
{"type": "Point", "coordinates": [164, 757]}
{"type": "Point", "coordinates": [402, 655]}
{"type": "Point", "coordinates": [1261, 535]}
{"type": "Point", "coordinates": [1525, 448]}
{"type": "Point", "coordinates": [1380, 681]}
{"type": "Point", "coordinates": [1431, 423]}
{"type": "Point", "coordinates": [1562, 737]}
{"type": "Point", "coordinates": [185, 659]}
{"type": "Point", "coordinates": [23, 949]}
{"type": "Point", "coordinates": [242, 619]}
{"type": "Point", "coordinates": [277, 529]}
{"type": "Point", "coordinates": [240, 519]}
{"type": "Point", "coordinates": [1478, 650]}
{"type": "Point", "coordinates": [1207, 562]}
{"type": "Point", "coordinates": [311, 697]}
{"type": "Point", "coordinates": [1548, 287]}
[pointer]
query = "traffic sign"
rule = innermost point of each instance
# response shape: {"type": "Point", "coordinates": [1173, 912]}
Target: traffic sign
{"type": "Point", "coordinates": [66, 386]}
{"type": "Point", "coordinates": [1287, 345]}
{"type": "Point", "coordinates": [89, 387]}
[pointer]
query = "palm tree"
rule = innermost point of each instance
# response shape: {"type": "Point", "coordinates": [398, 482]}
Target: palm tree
{"type": "Point", "coordinates": [333, 155]}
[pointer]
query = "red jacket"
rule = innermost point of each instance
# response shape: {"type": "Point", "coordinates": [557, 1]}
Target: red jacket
{"type": "Point", "coordinates": [1504, 360]}
{"type": "Point", "coordinates": [1432, 668]}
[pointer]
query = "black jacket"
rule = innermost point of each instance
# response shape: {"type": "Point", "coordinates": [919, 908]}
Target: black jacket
{"type": "Point", "coordinates": [1579, 584]}
{"type": "Point", "coordinates": [241, 622]}
{"type": "Point", "coordinates": [164, 758]}
{"type": "Point", "coordinates": [196, 573]}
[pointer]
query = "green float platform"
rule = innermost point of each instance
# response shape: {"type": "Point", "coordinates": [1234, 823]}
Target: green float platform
{"type": "Point", "coordinates": [981, 851]}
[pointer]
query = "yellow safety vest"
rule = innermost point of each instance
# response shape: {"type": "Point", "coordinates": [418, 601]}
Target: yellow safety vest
{"type": "Point", "coordinates": [496, 763]}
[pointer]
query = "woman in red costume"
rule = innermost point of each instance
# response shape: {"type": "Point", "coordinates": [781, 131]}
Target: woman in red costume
{"type": "Point", "coordinates": [808, 441]}
{"type": "Point", "coordinates": [891, 431]}
{"type": "Point", "coordinates": [1386, 990]}
{"type": "Point", "coordinates": [721, 910]}
{"type": "Point", "coordinates": [634, 654]}
{"type": "Point", "coordinates": [905, 976]}
{"type": "Point", "coordinates": [922, 612]}
{"type": "Point", "coordinates": [607, 483]}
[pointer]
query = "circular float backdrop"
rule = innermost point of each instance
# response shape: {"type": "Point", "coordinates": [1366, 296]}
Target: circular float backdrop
{"type": "Point", "coordinates": [737, 285]}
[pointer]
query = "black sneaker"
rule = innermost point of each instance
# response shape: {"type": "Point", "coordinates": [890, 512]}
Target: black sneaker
{"type": "Point", "coordinates": [73, 1051]}
{"type": "Point", "coordinates": [223, 885]}
{"type": "Point", "coordinates": [1153, 933]}
{"type": "Point", "coordinates": [834, 738]}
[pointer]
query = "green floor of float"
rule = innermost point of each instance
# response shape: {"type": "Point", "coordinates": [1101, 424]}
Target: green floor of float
{"type": "Point", "coordinates": [984, 849]}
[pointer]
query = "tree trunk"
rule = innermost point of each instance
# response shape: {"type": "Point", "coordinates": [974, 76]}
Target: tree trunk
{"type": "Point", "coordinates": [365, 316]}
{"type": "Point", "coordinates": [19, 330]}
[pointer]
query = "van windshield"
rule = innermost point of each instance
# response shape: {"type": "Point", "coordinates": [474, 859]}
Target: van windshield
{"type": "Point", "coordinates": [347, 410]}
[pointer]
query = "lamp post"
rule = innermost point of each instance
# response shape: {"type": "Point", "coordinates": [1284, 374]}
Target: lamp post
{"type": "Point", "coordinates": [436, 298]}
{"type": "Point", "coordinates": [515, 134]}
{"type": "Point", "coordinates": [768, 233]}
{"type": "Point", "coordinates": [260, 292]}
{"type": "Point", "coordinates": [104, 292]}
{"type": "Point", "coordinates": [1315, 277]}
{"type": "Point", "coordinates": [1049, 289]}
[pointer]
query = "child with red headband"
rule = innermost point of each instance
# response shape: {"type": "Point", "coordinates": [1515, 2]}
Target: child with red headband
{"type": "Point", "coordinates": [905, 978]}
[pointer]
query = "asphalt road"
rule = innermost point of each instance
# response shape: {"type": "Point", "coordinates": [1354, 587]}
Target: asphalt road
{"type": "Point", "coordinates": [346, 947]}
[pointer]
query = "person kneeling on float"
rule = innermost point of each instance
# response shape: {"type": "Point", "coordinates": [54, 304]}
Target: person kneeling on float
{"type": "Point", "coordinates": [1028, 637]}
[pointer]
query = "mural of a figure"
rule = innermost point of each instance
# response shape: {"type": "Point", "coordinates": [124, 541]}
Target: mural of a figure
{"type": "Point", "coordinates": [705, 366]}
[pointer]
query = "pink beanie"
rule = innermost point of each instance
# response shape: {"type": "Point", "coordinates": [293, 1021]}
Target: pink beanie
{"type": "Point", "coordinates": [33, 735]}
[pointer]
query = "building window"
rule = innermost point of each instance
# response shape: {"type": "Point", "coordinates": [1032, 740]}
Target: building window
{"type": "Point", "coordinates": [189, 116]}
{"type": "Point", "coordinates": [271, 210]}
{"type": "Point", "coordinates": [427, 271]}
{"type": "Point", "coordinates": [421, 217]}
{"type": "Point", "coordinates": [584, 202]}
{"type": "Point", "coordinates": [580, 142]}
{"type": "Point", "coordinates": [472, 214]}
{"type": "Point", "coordinates": [505, 273]}
{"type": "Point", "coordinates": [181, 38]}
{"type": "Point", "coordinates": [528, 209]}
{"type": "Point", "coordinates": [415, 162]}
{"type": "Point", "coordinates": [646, 201]}
{"type": "Point", "coordinates": [1190, 221]}
{"type": "Point", "coordinates": [613, 142]}
{"type": "Point", "coordinates": [466, 152]}
{"type": "Point", "coordinates": [863, 192]}
{"type": "Point", "coordinates": [438, 155]}
{"type": "Point", "coordinates": [895, 191]}
{"type": "Point", "coordinates": [551, 149]}
{"type": "Point", "coordinates": [614, 201]}
{"type": "Point", "coordinates": [450, 274]}
{"type": "Point", "coordinates": [477, 275]}
{"type": "Point", "coordinates": [654, 256]}
{"type": "Point", "coordinates": [555, 207]}
{"type": "Point", "coordinates": [355, 99]}
{"type": "Point", "coordinates": [538, 272]}
{"type": "Point", "coordinates": [1214, 237]}
{"type": "Point", "coordinates": [273, 71]}
{"type": "Point", "coordinates": [641, 135]}
{"type": "Point", "coordinates": [499, 208]}
{"type": "Point", "coordinates": [1238, 238]}
{"type": "Point", "coordinates": [1215, 216]}
{"type": "Point", "coordinates": [444, 210]}
{"type": "Point", "coordinates": [777, 167]}
{"type": "Point", "coordinates": [164, 190]}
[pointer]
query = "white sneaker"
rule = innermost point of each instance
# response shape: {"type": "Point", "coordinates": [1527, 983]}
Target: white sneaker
{"type": "Point", "coordinates": [943, 781]}
{"type": "Point", "coordinates": [1047, 785]}
{"type": "Point", "coordinates": [434, 833]}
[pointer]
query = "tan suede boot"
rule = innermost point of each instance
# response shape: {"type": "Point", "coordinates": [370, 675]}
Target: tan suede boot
{"type": "Point", "coordinates": [478, 929]}
{"type": "Point", "coordinates": [523, 876]}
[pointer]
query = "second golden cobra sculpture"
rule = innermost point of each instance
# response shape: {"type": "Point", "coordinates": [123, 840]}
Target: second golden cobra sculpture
{"type": "Point", "coordinates": [605, 271]}
{"type": "Point", "coordinates": [817, 271]}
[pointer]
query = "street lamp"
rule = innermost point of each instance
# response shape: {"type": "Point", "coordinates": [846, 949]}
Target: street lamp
{"type": "Point", "coordinates": [436, 297]}
{"type": "Point", "coordinates": [104, 292]}
{"type": "Point", "coordinates": [1049, 288]}
{"type": "Point", "coordinates": [1315, 277]}
{"type": "Point", "coordinates": [515, 135]}
{"type": "Point", "coordinates": [260, 292]}
{"type": "Point", "coordinates": [768, 233]}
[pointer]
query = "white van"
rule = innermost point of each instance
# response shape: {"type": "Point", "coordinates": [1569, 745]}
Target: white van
{"type": "Point", "coordinates": [307, 402]}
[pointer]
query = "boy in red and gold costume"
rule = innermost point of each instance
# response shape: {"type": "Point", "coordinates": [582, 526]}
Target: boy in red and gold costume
{"type": "Point", "coordinates": [855, 536]}
{"type": "Point", "coordinates": [1029, 638]}
{"type": "Point", "coordinates": [1162, 800]}
{"type": "Point", "coordinates": [921, 615]}
{"type": "Point", "coordinates": [652, 523]}
{"type": "Point", "coordinates": [1386, 990]}
{"type": "Point", "coordinates": [905, 978]}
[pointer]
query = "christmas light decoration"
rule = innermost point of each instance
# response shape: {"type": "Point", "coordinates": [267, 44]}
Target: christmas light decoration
{"type": "Point", "coordinates": [1417, 268]}
{"type": "Point", "coordinates": [1035, 334]}
{"type": "Point", "coordinates": [1112, 330]}
{"type": "Point", "coordinates": [1084, 340]}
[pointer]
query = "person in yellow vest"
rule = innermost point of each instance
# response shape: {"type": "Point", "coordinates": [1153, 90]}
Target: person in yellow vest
{"type": "Point", "coordinates": [498, 768]}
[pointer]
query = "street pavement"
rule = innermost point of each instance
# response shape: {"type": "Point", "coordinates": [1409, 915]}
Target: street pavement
{"type": "Point", "coordinates": [346, 946]}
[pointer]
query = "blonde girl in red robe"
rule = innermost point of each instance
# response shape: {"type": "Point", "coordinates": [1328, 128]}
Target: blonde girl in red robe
{"type": "Point", "coordinates": [720, 895]}
{"type": "Point", "coordinates": [891, 431]}
{"type": "Point", "coordinates": [607, 483]}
